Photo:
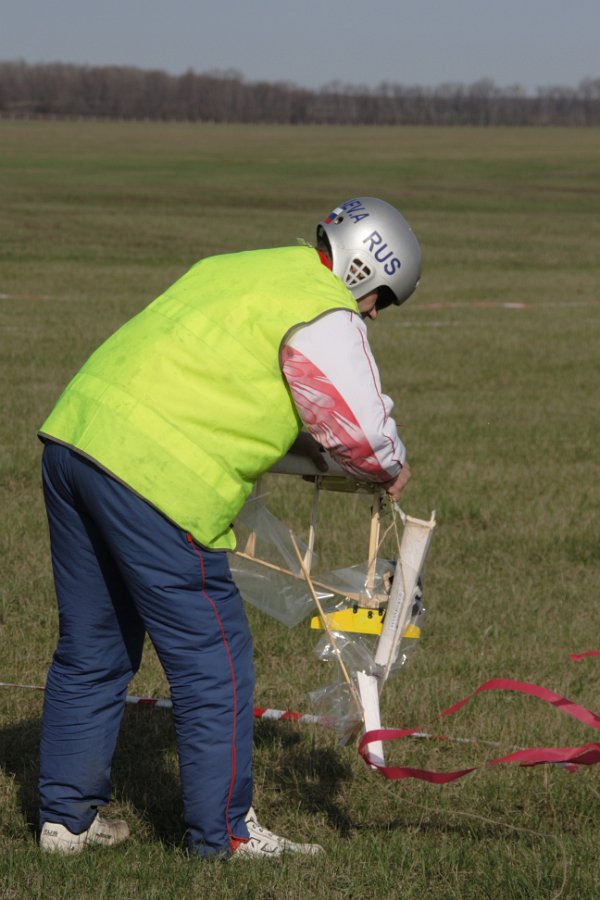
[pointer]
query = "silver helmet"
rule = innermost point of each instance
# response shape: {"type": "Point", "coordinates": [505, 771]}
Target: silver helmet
{"type": "Point", "coordinates": [372, 247]}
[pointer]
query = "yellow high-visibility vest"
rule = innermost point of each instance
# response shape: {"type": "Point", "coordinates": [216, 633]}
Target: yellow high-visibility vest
{"type": "Point", "coordinates": [186, 403]}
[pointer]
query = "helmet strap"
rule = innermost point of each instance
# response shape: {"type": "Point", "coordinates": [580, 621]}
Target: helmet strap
{"type": "Point", "coordinates": [325, 259]}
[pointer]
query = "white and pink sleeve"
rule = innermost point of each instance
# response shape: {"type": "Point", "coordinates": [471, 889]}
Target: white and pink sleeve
{"type": "Point", "coordinates": [335, 385]}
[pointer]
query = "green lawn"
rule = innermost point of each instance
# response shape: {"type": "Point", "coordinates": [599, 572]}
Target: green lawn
{"type": "Point", "coordinates": [494, 365]}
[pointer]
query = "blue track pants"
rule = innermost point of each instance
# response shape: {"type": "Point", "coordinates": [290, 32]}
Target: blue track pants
{"type": "Point", "coordinates": [121, 570]}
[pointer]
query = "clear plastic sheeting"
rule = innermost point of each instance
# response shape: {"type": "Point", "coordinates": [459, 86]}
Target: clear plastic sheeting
{"type": "Point", "coordinates": [358, 655]}
{"type": "Point", "coordinates": [272, 582]}
{"type": "Point", "coordinates": [408, 644]}
{"type": "Point", "coordinates": [354, 580]}
{"type": "Point", "coordinates": [269, 538]}
{"type": "Point", "coordinates": [284, 598]}
{"type": "Point", "coordinates": [336, 703]}
{"type": "Point", "coordinates": [266, 570]}
{"type": "Point", "coordinates": [358, 650]}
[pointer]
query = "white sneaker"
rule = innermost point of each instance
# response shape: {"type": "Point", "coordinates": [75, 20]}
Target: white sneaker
{"type": "Point", "coordinates": [266, 844]}
{"type": "Point", "coordinates": [55, 838]}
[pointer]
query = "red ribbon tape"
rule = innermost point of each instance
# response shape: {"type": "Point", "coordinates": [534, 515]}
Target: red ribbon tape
{"type": "Point", "coordinates": [571, 757]}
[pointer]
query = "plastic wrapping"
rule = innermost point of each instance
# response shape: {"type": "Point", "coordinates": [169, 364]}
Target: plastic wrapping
{"type": "Point", "coordinates": [358, 653]}
{"type": "Point", "coordinates": [353, 580]}
{"type": "Point", "coordinates": [277, 588]}
{"type": "Point", "coordinates": [358, 650]}
{"type": "Point", "coordinates": [265, 569]}
{"type": "Point", "coordinates": [270, 538]}
{"type": "Point", "coordinates": [336, 703]}
{"type": "Point", "coordinates": [409, 643]}
{"type": "Point", "coordinates": [373, 610]}
{"type": "Point", "coordinates": [284, 598]}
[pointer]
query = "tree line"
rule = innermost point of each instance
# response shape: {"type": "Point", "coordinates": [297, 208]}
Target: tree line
{"type": "Point", "coordinates": [126, 92]}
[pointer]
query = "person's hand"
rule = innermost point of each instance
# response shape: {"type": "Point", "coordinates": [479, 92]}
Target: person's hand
{"type": "Point", "coordinates": [305, 445]}
{"type": "Point", "coordinates": [395, 487]}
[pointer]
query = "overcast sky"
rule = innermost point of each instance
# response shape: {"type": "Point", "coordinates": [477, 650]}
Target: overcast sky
{"type": "Point", "coordinates": [534, 43]}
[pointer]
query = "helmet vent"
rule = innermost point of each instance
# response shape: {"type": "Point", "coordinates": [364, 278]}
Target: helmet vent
{"type": "Point", "coordinates": [357, 272]}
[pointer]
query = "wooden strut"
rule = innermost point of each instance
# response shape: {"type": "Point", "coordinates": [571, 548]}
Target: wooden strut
{"type": "Point", "coordinates": [312, 531]}
{"type": "Point", "coordinates": [374, 542]}
{"type": "Point", "coordinates": [373, 599]}
{"type": "Point", "coordinates": [351, 595]}
{"type": "Point", "coordinates": [330, 635]}
{"type": "Point", "coordinates": [250, 548]}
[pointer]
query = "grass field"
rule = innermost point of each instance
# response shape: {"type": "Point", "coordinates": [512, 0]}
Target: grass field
{"type": "Point", "coordinates": [495, 368]}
